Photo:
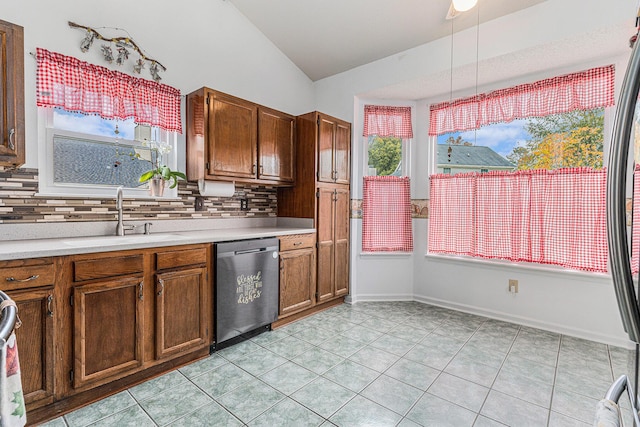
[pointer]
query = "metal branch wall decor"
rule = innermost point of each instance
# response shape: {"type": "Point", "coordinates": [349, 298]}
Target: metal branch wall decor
{"type": "Point", "coordinates": [123, 45]}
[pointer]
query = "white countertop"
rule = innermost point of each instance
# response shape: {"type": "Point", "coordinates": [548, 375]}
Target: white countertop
{"type": "Point", "coordinates": [35, 248]}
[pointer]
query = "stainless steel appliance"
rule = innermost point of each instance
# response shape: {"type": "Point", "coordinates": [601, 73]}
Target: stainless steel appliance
{"type": "Point", "coordinates": [619, 263]}
{"type": "Point", "coordinates": [246, 287]}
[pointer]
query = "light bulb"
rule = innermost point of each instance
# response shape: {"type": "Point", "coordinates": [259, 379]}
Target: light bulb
{"type": "Point", "coordinates": [463, 5]}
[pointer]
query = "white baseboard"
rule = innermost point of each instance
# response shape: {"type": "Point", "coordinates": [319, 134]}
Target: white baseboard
{"type": "Point", "coordinates": [526, 321]}
{"type": "Point", "coordinates": [351, 299]}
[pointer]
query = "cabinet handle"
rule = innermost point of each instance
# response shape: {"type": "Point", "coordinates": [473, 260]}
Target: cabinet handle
{"type": "Point", "coordinates": [161, 283]}
{"type": "Point", "coordinates": [261, 169]}
{"type": "Point", "coordinates": [12, 132]}
{"type": "Point", "coordinates": [140, 287]}
{"type": "Point", "coordinates": [297, 243]}
{"type": "Point", "coordinates": [28, 279]}
{"type": "Point", "coordinates": [49, 306]}
{"type": "Point", "coordinates": [254, 168]}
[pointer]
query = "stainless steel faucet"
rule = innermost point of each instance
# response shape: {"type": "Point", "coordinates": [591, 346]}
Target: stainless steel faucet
{"type": "Point", "coordinates": [120, 227]}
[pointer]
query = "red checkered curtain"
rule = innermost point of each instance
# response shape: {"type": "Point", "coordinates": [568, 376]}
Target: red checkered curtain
{"type": "Point", "coordinates": [501, 215]}
{"type": "Point", "coordinates": [386, 214]}
{"type": "Point", "coordinates": [66, 82]}
{"type": "Point", "coordinates": [387, 121]}
{"type": "Point", "coordinates": [546, 217]}
{"type": "Point", "coordinates": [452, 214]}
{"type": "Point", "coordinates": [584, 90]}
{"type": "Point", "coordinates": [568, 218]}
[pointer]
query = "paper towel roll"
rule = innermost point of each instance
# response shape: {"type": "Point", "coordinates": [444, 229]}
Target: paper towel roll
{"type": "Point", "coordinates": [216, 188]}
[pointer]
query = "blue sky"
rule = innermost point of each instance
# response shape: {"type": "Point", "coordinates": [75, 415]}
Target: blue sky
{"type": "Point", "coordinates": [501, 137]}
{"type": "Point", "coordinates": [92, 125]}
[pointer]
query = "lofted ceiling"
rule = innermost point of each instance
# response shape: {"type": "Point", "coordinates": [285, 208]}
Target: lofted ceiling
{"type": "Point", "coordinates": [327, 37]}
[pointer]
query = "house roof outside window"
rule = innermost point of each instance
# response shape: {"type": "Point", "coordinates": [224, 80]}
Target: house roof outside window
{"type": "Point", "coordinates": [472, 156]}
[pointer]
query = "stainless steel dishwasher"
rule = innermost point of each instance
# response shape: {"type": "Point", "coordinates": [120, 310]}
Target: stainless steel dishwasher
{"type": "Point", "coordinates": [246, 287]}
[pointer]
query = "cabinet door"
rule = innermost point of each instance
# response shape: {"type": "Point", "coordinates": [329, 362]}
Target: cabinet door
{"type": "Point", "coordinates": [11, 95]}
{"type": "Point", "coordinates": [181, 319]}
{"type": "Point", "coordinates": [342, 151]}
{"type": "Point", "coordinates": [35, 344]}
{"type": "Point", "coordinates": [276, 132]}
{"type": "Point", "coordinates": [297, 280]}
{"type": "Point", "coordinates": [326, 136]}
{"type": "Point", "coordinates": [232, 142]}
{"type": "Point", "coordinates": [341, 241]}
{"type": "Point", "coordinates": [107, 329]}
{"type": "Point", "coordinates": [326, 246]}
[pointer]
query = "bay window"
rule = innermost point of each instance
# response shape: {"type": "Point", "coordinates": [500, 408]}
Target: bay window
{"type": "Point", "coordinates": [547, 206]}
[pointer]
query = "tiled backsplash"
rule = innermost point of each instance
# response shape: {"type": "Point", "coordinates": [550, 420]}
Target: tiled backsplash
{"type": "Point", "coordinates": [18, 203]}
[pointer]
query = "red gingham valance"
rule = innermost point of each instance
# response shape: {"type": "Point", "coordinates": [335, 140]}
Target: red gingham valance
{"type": "Point", "coordinates": [548, 217]}
{"type": "Point", "coordinates": [67, 82]}
{"type": "Point", "coordinates": [386, 214]}
{"type": "Point", "coordinates": [584, 90]}
{"type": "Point", "coordinates": [387, 121]}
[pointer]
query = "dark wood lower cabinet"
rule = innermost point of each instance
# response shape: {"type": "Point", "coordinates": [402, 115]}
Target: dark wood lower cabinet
{"type": "Point", "coordinates": [297, 280]}
{"type": "Point", "coordinates": [35, 344]}
{"type": "Point", "coordinates": [108, 340]}
{"type": "Point", "coordinates": [181, 311]}
{"type": "Point", "coordinates": [333, 242]}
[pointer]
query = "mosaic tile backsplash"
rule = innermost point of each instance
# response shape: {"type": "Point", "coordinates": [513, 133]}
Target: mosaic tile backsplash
{"type": "Point", "coordinates": [19, 204]}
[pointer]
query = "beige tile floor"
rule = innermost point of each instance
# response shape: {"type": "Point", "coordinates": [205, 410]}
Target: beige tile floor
{"type": "Point", "coordinates": [378, 364]}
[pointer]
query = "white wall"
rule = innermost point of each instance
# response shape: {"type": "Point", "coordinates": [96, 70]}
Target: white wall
{"type": "Point", "coordinates": [574, 303]}
{"type": "Point", "coordinates": [200, 42]}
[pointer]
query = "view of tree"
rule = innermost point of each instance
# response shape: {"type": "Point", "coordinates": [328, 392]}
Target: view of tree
{"type": "Point", "coordinates": [573, 139]}
{"type": "Point", "coordinates": [385, 154]}
{"type": "Point", "coordinates": [457, 141]}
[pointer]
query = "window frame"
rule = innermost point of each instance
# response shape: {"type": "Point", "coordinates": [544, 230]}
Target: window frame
{"type": "Point", "coordinates": [46, 184]}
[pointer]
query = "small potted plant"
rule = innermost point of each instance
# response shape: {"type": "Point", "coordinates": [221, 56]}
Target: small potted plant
{"type": "Point", "coordinates": [159, 175]}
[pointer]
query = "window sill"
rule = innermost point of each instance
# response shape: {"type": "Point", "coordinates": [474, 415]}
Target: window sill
{"type": "Point", "coordinates": [386, 254]}
{"type": "Point", "coordinates": [539, 268]}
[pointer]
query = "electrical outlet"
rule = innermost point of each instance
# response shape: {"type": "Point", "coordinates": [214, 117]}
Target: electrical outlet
{"type": "Point", "coordinates": [513, 286]}
{"type": "Point", "coordinates": [199, 204]}
{"type": "Point", "coordinates": [244, 204]}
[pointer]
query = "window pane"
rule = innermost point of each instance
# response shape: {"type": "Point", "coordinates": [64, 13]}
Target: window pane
{"type": "Point", "coordinates": [385, 156]}
{"type": "Point", "coordinates": [77, 161]}
{"type": "Point", "coordinates": [567, 140]}
{"type": "Point", "coordinates": [93, 125]}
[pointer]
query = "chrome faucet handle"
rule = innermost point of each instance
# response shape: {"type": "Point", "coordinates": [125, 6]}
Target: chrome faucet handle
{"type": "Point", "coordinates": [147, 227]}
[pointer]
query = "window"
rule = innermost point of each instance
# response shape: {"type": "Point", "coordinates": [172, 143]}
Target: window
{"type": "Point", "coordinates": [387, 132]}
{"type": "Point", "coordinates": [93, 123]}
{"type": "Point", "coordinates": [527, 211]}
{"type": "Point", "coordinates": [87, 155]}
{"type": "Point", "coordinates": [386, 156]}
{"type": "Point", "coordinates": [567, 140]}
{"type": "Point", "coordinates": [386, 199]}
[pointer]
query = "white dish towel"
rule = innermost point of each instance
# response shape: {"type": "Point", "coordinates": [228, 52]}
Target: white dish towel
{"type": "Point", "coordinates": [12, 410]}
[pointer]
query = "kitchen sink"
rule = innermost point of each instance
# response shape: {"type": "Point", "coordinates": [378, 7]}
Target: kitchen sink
{"type": "Point", "coordinates": [121, 240]}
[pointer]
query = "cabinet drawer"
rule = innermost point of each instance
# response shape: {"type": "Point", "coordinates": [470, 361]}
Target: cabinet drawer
{"type": "Point", "coordinates": [181, 258]}
{"type": "Point", "coordinates": [297, 241]}
{"type": "Point", "coordinates": [99, 268]}
{"type": "Point", "coordinates": [25, 274]}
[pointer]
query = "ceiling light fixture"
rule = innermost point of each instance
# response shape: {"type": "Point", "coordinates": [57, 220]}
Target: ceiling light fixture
{"type": "Point", "coordinates": [463, 5]}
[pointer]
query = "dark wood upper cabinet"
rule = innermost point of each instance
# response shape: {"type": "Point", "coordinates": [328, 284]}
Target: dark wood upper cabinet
{"type": "Point", "coordinates": [276, 134]}
{"type": "Point", "coordinates": [334, 145]}
{"type": "Point", "coordinates": [233, 145]}
{"type": "Point", "coordinates": [11, 95]}
{"type": "Point", "coordinates": [231, 139]}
